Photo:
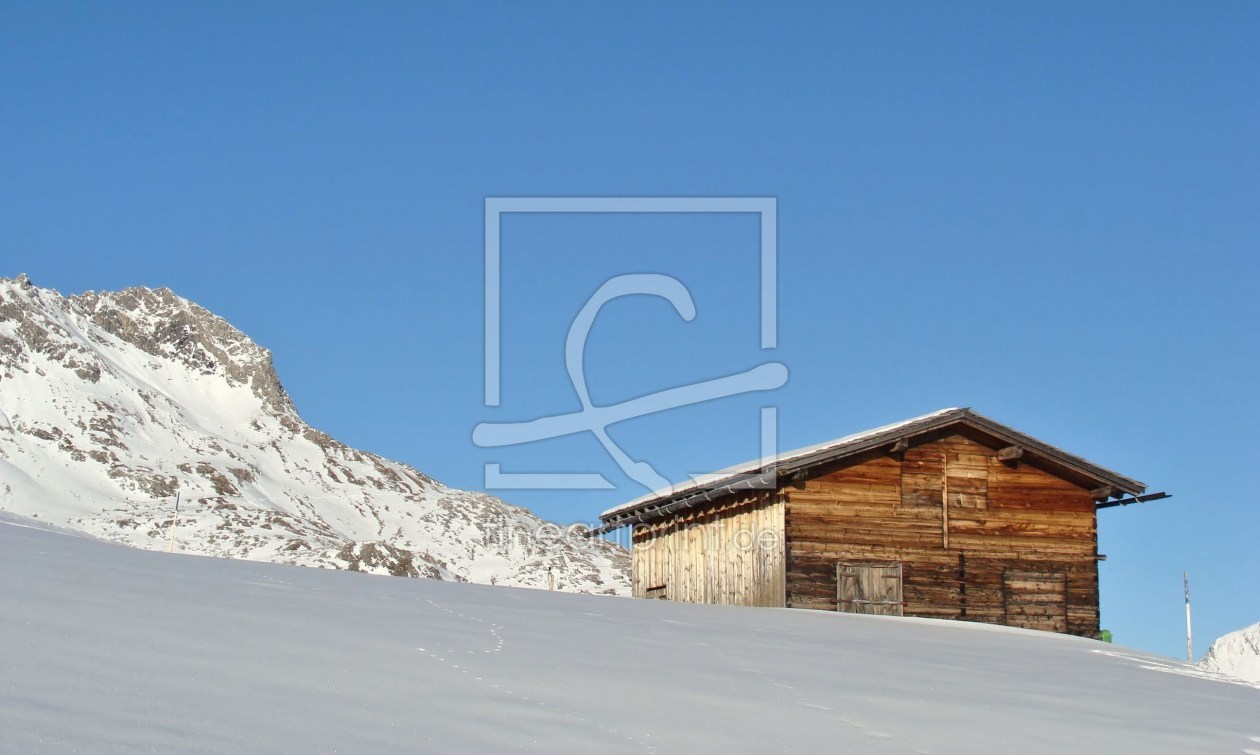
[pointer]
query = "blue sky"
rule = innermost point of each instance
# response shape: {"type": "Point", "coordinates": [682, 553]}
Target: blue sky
{"type": "Point", "coordinates": [1048, 213]}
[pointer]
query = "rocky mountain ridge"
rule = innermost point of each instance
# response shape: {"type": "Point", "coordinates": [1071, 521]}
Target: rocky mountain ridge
{"type": "Point", "coordinates": [111, 403]}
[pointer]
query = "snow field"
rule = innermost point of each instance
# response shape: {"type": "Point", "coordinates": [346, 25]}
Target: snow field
{"type": "Point", "coordinates": [110, 649]}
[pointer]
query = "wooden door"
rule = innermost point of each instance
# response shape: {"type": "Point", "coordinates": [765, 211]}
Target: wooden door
{"type": "Point", "coordinates": [869, 588]}
{"type": "Point", "coordinates": [1035, 599]}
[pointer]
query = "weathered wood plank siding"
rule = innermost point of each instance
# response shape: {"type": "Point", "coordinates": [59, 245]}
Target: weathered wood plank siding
{"type": "Point", "coordinates": [731, 554]}
{"type": "Point", "coordinates": [958, 520]}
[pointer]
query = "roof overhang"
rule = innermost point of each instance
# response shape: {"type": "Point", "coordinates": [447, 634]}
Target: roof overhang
{"type": "Point", "coordinates": [768, 474]}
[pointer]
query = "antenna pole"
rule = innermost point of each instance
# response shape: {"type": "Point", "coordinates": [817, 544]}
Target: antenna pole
{"type": "Point", "coordinates": [170, 535]}
{"type": "Point", "coordinates": [1189, 637]}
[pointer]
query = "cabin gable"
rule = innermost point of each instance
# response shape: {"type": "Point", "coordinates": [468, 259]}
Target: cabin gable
{"type": "Point", "coordinates": [958, 521]}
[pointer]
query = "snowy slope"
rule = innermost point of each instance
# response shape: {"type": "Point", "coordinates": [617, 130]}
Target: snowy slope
{"type": "Point", "coordinates": [110, 649]}
{"type": "Point", "coordinates": [110, 403]}
{"type": "Point", "coordinates": [1236, 654]}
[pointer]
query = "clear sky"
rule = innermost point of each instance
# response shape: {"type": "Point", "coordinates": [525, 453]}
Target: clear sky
{"type": "Point", "coordinates": [1046, 212]}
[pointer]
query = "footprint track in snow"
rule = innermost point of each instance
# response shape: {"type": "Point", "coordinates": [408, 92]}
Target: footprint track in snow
{"type": "Point", "coordinates": [799, 698]}
{"type": "Point", "coordinates": [495, 632]}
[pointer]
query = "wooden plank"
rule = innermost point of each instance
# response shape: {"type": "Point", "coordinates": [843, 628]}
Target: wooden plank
{"type": "Point", "coordinates": [1036, 599]}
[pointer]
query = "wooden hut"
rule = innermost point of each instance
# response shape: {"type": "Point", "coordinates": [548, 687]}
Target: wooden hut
{"type": "Point", "coordinates": [950, 515]}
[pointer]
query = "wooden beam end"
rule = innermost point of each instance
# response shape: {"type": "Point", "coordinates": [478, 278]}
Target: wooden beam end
{"type": "Point", "coordinates": [1010, 455]}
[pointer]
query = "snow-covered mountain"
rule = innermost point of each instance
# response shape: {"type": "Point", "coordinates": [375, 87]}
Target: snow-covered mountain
{"type": "Point", "coordinates": [111, 403]}
{"type": "Point", "coordinates": [1236, 654]}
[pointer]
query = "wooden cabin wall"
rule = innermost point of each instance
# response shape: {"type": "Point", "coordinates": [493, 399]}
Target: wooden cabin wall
{"type": "Point", "coordinates": [731, 555]}
{"type": "Point", "coordinates": [999, 520]}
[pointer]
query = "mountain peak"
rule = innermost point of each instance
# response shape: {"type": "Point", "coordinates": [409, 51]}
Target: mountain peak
{"type": "Point", "coordinates": [111, 402]}
{"type": "Point", "coordinates": [164, 324]}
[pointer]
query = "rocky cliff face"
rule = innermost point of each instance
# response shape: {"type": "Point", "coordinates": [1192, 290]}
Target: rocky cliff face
{"type": "Point", "coordinates": [111, 403]}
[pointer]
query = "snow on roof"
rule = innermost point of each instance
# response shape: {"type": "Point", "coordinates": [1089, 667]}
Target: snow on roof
{"type": "Point", "coordinates": [801, 458]}
{"type": "Point", "coordinates": [748, 467]}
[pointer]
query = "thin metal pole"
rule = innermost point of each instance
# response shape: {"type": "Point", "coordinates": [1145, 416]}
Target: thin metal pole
{"type": "Point", "coordinates": [1189, 637]}
{"type": "Point", "coordinates": [944, 499]}
{"type": "Point", "coordinates": [170, 535]}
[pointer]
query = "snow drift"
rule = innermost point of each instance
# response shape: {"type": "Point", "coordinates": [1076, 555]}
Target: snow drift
{"type": "Point", "coordinates": [1236, 654]}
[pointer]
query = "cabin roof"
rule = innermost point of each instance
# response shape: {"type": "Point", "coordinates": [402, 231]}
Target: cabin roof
{"type": "Point", "coordinates": [758, 473]}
